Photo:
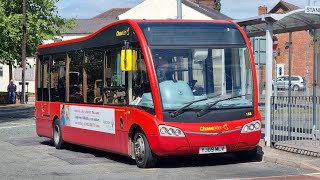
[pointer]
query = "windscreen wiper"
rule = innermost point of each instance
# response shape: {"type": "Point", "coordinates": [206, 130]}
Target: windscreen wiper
{"type": "Point", "coordinates": [181, 110]}
{"type": "Point", "coordinates": [205, 110]}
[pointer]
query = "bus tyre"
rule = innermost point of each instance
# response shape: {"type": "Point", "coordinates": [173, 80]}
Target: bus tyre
{"type": "Point", "coordinates": [57, 135]}
{"type": "Point", "coordinates": [145, 158]}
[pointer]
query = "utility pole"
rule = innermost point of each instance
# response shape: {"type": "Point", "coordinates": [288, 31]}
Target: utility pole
{"type": "Point", "coordinates": [24, 43]}
{"type": "Point", "coordinates": [269, 50]}
{"type": "Point", "coordinates": [179, 9]}
{"type": "Point", "coordinates": [307, 59]}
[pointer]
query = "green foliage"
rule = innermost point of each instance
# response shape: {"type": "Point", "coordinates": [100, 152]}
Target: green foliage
{"type": "Point", "coordinates": [217, 5]}
{"type": "Point", "coordinates": [43, 23]}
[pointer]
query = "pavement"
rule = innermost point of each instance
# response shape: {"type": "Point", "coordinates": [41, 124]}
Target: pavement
{"type": "Point", "coordinates": [288, 154]}
{"type": "Point", "coordinates": [291, 155]}
{"type": "Point", "coordinates": [300, 153]}
{"type": "Point", "coordinates": [30, 102]}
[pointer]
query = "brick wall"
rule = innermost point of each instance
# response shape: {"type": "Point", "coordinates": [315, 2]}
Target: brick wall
{"type": "Point", "coordinates": [302, 56]}
{"type": "Point", "coordinates": [302, 61]}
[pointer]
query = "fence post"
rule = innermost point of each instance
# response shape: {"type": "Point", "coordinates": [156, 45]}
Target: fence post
{"type": "Point", "coordinates": [289, 88]}
{"type": "Point", "coordinates": [314, 115]}
{"type": "Point", "coordinates": [274, 107]}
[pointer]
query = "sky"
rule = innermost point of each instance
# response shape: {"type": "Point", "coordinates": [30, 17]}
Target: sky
{"type": "Point", "coordinates": [237, 9]}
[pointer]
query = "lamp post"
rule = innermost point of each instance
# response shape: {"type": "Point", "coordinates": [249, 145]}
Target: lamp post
{"type": "Point", "coordinates": [24, 42]}
{"type": "Point", "coordinates": [179, 9]}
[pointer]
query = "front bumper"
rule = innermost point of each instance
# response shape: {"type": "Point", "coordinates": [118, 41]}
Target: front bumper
{"type": "Point", "coordinates": [190, 144]}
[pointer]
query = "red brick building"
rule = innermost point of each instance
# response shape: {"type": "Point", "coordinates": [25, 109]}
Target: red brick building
{"type": "Point", "coordinates": [302, 48]}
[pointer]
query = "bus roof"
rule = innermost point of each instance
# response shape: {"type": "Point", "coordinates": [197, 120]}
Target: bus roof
{"type": "Point", "coordinates": [101, 35]}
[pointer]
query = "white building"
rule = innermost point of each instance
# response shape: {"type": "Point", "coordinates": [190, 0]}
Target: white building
{"type": "Point", "coordinates": [167, 9]}
{"type": "Point", "coordinates": [17, 74]}
{"type": "Point", "coordinates": [4, 77]}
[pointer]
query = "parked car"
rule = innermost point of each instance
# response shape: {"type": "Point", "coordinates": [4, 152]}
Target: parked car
{"type": "Point", "coordinates": [297, 83]}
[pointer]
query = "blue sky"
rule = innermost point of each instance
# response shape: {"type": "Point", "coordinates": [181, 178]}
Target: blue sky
{"type": "Point", "coordinates": [83, 9]}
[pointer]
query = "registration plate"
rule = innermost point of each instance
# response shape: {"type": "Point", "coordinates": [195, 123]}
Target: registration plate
{"type": "Point", "coordinates": [213, 149]}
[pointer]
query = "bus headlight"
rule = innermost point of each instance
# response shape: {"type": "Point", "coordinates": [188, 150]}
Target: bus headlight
{"type": "Point", "coordinates": [251, 127]}
{"type": "Point", "coordinates": [170, 131]}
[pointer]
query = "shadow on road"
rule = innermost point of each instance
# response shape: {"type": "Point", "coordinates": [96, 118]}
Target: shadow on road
{"type": "Point", "coordinates": [15, 113]}
{"type": "Point", "coordinates": [85, 153]}
{"type": "Point", "coordinates": [164, 162]}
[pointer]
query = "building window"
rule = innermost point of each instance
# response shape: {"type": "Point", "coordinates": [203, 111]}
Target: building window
{"type": "Point", "coordinates": [1, 71]}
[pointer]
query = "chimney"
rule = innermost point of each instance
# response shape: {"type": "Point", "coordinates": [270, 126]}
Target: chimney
{"type": "Point", "coordinates": [208, 3]}
{"type": "Point", "coordinates": [262, 10]}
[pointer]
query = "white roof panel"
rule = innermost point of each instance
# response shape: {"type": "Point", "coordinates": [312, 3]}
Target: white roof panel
{"type": "Point", "coordinates": [296, 20]}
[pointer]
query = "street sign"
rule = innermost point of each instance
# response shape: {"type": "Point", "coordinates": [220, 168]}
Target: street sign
{"type": "Point", "coordinates": [312, 9]}
{"type": "Point", "coordinates": [275, 42]}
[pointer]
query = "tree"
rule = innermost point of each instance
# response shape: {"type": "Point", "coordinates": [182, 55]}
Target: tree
{"type": "Point", "coordinates": [43, 23]}
{"type": "Point", "coordinates": [217, 5]}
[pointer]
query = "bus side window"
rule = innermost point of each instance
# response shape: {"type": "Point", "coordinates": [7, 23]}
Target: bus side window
{"type": "Point", "coordinates": [45, 78]}
{"type": "Point", "coordinates": [92, 76]}
{"type": "Point", "coordinates": [74, 77]}
{"type": "Point", "coordinates": [40, 77]}
{"type": "Point", "coordinates": [58, 84]}
{"type": "Point", "coordinates": [115, 83]}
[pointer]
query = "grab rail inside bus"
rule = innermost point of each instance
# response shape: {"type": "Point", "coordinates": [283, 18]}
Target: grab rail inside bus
{"type": "Point", "coordinates": [113, 88]}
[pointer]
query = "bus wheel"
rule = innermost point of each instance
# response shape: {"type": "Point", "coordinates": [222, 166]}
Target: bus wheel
{"type": "Point", "coordinates": [145, 158]}
{"type": "Point", "coordinates": [57, 135]}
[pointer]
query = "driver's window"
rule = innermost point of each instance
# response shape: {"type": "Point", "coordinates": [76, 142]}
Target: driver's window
{"type": "Point", "coordinates": [178, 65]}
{"type": "Point", "coordinates": [165, 69]}
{"type": "Point", "coordinates": [140, 80]}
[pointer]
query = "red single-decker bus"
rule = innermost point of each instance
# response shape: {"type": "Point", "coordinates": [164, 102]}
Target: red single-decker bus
{"type": "Point", "coordinates": [150, 88]}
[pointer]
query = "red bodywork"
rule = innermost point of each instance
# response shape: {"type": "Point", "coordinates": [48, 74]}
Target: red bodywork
{"type": "Point", "coordinates": [46, 112]}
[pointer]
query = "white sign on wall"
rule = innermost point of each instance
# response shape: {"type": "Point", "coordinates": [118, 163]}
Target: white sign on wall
{"type": "Point", "coordinates": [90, 118]}
{"type": "Point", "coordinates": [312, 9]}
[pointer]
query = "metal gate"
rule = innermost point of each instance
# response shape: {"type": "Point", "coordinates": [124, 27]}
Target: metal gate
{"type": "Point", "coordinates": [295, 120]}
